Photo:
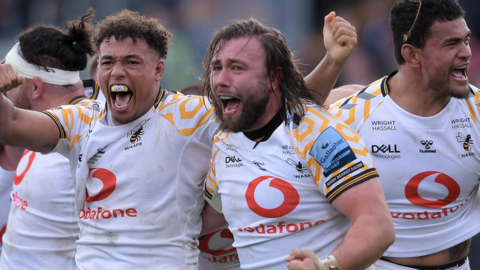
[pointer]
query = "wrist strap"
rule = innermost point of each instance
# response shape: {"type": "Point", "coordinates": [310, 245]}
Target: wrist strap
{"type": "Point", "coordinates": [329, 263]}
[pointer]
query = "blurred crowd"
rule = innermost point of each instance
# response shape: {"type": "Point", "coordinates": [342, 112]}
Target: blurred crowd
{"type": "Point", "coordinates": [193, 21]}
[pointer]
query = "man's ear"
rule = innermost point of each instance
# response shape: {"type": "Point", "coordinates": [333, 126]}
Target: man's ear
{"type": "Point", "coordinates": [36, 88]}
{"type": "Point", "coordinates": [159, 70]}
{"type": "Point", "coordinates": [411, 54]}
{"type": "Point", "coordinates": [275, 77]}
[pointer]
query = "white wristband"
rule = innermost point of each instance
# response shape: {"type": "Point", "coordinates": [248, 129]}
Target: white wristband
{"type": "Point", "coordinates": [329, 263]}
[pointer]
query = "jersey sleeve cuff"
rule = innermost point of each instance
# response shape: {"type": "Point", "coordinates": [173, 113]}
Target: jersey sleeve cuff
{"type": "Point", "coordinates": [357, 179]}
{"type": "Point", "coordinates": [61, 131]}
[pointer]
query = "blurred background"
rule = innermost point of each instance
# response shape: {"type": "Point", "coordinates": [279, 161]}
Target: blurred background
{"type": "Point", "coordinates": [193, 21]}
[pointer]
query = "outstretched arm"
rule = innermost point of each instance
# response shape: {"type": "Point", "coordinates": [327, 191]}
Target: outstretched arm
{"type": "Point", "coordinates": [23, 128]}
{"type": "Point", "coordinates": [367, 239]}
{"type": "Point", "coordinates": [340, 39]}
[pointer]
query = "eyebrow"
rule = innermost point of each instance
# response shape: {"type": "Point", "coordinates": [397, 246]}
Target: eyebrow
{"type": "Point", "coordinates": [125, 57]}
{"type": "Point", "coordinates": [457, 39]}
{"type": "Point", "coordinates": [229, 61]}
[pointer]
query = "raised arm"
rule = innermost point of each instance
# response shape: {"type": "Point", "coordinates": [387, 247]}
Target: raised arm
{"type": "Point", "coordinates": [23, 128]}
{"type": "Point", "coordinates": [340, 39]}
{"type": "Point", "coordinates": [369, 237]}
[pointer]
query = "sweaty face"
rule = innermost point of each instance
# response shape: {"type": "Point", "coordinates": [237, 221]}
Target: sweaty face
{"type": "Point", "coordinates": [446, 57]}
{"type": "Point", "coordinates": [133, 71]}
{"type": "Point", "coordinates": [240, 85]}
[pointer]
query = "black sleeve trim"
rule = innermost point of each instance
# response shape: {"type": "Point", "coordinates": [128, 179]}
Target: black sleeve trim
{"type": "Point", "coordinates": [357, 179]}
{"type": "Point", "coordinates": [206, 193]}
{"type": "Point", "coordinates": [61, 131]}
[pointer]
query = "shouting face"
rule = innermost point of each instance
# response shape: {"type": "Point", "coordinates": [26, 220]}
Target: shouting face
{"type": "Point", "coordinates": [129, 74]}
{"type": "Point", "coordinates": [446, 57]}
{"type": "Point", "coordinates": [241, 85]}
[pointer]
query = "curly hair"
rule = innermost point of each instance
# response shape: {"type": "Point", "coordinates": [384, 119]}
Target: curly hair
{"type": "Point", "coordinates": [403, 20]}
{"type": "Point", "coordinates": [49, 46]}
{"type": "Point", "coordinates": [128, 23]}
{"type": "Point", "coordinates": [292, 85]}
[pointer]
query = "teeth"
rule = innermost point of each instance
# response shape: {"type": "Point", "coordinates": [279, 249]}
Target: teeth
{"type": "Point", "coordinates": [120, 106]}
{"type": "Point", "coordinates": [225, 97]}
{"type": "Point", "coordinates": [119, 88]}
{"type": "Point", "coordinates": [462, 67]}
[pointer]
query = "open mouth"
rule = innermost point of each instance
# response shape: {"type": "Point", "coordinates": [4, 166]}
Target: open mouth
{"type": "Point", "coordinates": [230, 104]}
{"type": "Point", "coordinates": [121, 95]}
{"type": "Point", "coordinates": [460, 73]}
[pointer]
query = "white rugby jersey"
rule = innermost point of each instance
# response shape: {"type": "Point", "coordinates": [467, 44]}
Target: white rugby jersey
{"type": "Point", "coordinates": [92, 90]}
{"type": "Point", "coordinates": [6, 183]}
{"type": "Point", "coordinates": [276, 194]}
{"type": "Point", "coordinates": [217, 252]}
{"type": "Point", "coordinates": [429, 166]}
{"type": "Point", "coordinates": [138, 185]}
{"type": "Point", "coordinates": [42, 225]}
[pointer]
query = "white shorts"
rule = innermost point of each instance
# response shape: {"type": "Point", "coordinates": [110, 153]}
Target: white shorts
{"type": "Point", "coordinates": [384, 265]}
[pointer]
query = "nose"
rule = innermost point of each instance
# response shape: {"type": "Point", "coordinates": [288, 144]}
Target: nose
{"type": "Point", "coordinates": [117, 71]}
{"type": "Point", "coordinates": [221, 78]}
{"type": "Point", "coordinates": [465, 52]}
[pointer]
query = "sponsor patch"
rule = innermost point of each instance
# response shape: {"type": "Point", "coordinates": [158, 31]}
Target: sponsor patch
{"type": "Point", "coordinates": [331, 151]}
{"type": "Point", "coordinates": [344, 173]}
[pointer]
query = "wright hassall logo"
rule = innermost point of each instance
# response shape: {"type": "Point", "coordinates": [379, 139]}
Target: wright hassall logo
{"type": "Point", "coordinates": [385, 148]}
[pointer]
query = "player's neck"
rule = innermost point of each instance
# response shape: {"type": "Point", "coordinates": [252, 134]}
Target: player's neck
{"type": "Point", "coordinates": [264, 133]}
{"type": "Point", "coordinates": [57, 96]}
{"type": "Point", "coordinates": [409, 91]}
{"type": "Point", "coordinates": [9, 157]}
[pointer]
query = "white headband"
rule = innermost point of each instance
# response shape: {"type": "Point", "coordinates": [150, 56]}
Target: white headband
{"type": "Point", "coordinates": [29, 71]}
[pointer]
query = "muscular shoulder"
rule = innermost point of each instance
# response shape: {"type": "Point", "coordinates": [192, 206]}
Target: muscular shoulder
{"type": "Point", "coordinates": [186, 113]}
{"type": "Point", "coordinates": [355, 109]}
{"type": "Point", "coordinates": [318, 124]}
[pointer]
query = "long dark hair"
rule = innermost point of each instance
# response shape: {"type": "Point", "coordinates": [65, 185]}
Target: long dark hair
{"type": "Point", "coordinates": [292, 84]}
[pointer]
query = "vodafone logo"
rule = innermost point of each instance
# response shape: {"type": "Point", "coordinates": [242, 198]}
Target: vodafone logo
{"type": "Point", "coordinates": [411, 190]}
{"type": "Point", "coordinates": [215, 241]}
{"type": "Point", "coordinates": [25, 165]}
{"type": "Point", "coordinates": [109, 181]}
{"type": "Point", "coordinates": [291, 198]}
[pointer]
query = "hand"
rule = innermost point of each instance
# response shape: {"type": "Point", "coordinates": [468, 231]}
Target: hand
{"type": "Point", "coordinates": [302, 259]}
{"type": "Point", "coordinates": [9, 79]}
{"type": "Point", "coordinates": [340, 38]}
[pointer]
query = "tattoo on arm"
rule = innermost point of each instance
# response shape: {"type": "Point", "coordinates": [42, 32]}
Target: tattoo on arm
{"type": "Point", "coordinates": [457, 251]}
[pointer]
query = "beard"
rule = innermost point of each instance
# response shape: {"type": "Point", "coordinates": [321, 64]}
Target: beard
{"type": "Point", "coordinates": [449, 90]}
{"type": "Point", "coordinates": [253, 107]}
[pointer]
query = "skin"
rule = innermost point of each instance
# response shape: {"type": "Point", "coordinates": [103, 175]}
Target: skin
{"type": "Point", "coordinates": [135, 65]}
{"type": "Point", "coordinates": [236, 74]}
{"type": "Point", "coordinates": [369, 237]}
{"type": "Point", "coordinates": [341, 92]}
{"type": "Point", "coordinates": [424, 85]}
{"type": "Point", "coordinates": [340, 39]}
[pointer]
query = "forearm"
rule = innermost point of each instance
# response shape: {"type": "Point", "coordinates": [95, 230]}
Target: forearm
{"type": "Point", "coordinates": [322, 79]}
{"type": "Point", "coordinates": [365, 242]}
{"type": "Point", "coordinates": [7, 115]}
{"type": "Point", "coordinates": [212, 220]}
